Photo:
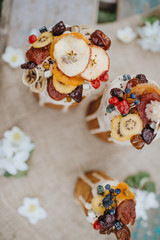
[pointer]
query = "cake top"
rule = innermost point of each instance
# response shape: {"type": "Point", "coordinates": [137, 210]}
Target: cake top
{"type": "Point", "coordinates": [63, 61]}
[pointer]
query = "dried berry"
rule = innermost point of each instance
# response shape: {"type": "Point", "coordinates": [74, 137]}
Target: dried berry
{"type": "Point", "coordinates": [123, 233]}
{"type": "Point", "coordinates": [133, 82]}
{"type": "Point", "coordinates": [142, 77]}
{"type": "Point", "coordinates": [58, 29]}
{"type": "Point", "coordinates": [148, 134]}
{"type": "Point", "coordinates": [114, 101]}
{"type": "Point", "coordinates": [118, 225]}
{"type": "Point", "coordinates": [43, 29]}
{"type": "Point", "coordinates": [107, 221]}
{"type": "Point", "coordinates": [137, 141]}
{"type": "Point", "coordinates": [100, 190]}
{"type": "Point", "coordinates": [32, 38]}
{"type": "Point", "coordinates": [116, 92]}
{"type": "Point", "coordinates": [96, 225]}
{"type": "Point", "coordinates": [123, 107]}
{"type": "Point", "coordinates": [96, 83]}
{"type": "Point", "coordinates": [77, 94]}
{"type": "Point", "coordinates": [29, 65]}
{"type": "Point", "coordinates": [126, 77]}
{"type": "Point", "coordinates": [110, 108]}
{"type": "Point", "coordinates": [100, 39]}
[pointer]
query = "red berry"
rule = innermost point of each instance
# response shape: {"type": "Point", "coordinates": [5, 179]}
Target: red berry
{"type": "Point", "coordinates": [123, 107]}
{"type": "Point", "coordinates": [104, 77]}
{"type": "Point", "coordinates": [96, 225]}
{"type": "Point", "coordinates": [114, 101]}
{"type": "Point", "coordinates": [32, 38]}
{"type": "Point", "coordinates": [96, 83]}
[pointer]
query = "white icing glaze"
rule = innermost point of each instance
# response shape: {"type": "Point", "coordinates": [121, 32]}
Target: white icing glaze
{"type": "Point", "coordinates": [104, 119]}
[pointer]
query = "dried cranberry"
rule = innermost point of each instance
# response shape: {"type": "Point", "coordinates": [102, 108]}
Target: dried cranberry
{"type": "Point", "coordinates": [123, 107]}
{"type": "Point", "coordinates": [100, 39]}
{"type": "Point", "coordinates": [96, 225]}
{"type": "Point", "coordinates": [29, 65]}
{"type": "Point", "coordinates": [116, 92]}
{"type": "Point", "coordinates": [137, 141]}
{"type": "Point", "coordinates": [32, 38]}
{"type": "Point", "coordinates": [148, 134]}
{"type": "Point", "coordinates": [133, 82]}
{"type": "Point", "coordinates": [77, 94]}
{"type": "Point", "coordinates": [114, 101]}
{"type": "Point", "coordinates": [96, 83]}
{"type": "Point", "coordinates": [58, 29]}
{"type": "Point", "coordinates": [104, 76]}
{"type": "Point", "coordinates": [142, 77]}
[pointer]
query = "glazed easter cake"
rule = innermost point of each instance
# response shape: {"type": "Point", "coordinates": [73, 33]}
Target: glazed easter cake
{"type": "Point", "coordinates": [109, 205]}
{"type": "Point", "coordinates": [128, 113]}
{"type": "Point", "coordinates": [66, 64]}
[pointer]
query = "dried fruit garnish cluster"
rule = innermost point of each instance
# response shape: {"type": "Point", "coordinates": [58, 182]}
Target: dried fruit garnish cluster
{"type": "Point", "coordinates": [133, 123]}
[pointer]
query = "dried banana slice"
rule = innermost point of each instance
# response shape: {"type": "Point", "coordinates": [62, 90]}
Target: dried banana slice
{"type": "Point", "coordinates": [115, 130]}
{"type": "Point", "coordinates": [61, 87]}
{"type": "Point", "coordinates": [40, 85]}
{"type": "Point", "coordinates": [30, 76]}
{"type": "Point", "coordinates": [97, 204]}
{"type": "Point", "coordinates": [99, 62]}
{"type": "Point", "coordinates": [43, 40]}
{"type": "Point", "coordinates": [131, 125]}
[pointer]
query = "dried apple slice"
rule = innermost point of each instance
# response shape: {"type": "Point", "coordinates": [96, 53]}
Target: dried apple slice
{"type": "Point", "coordinates": [99, 62]}
{"type": "Point", "coordinates": [72, 54]}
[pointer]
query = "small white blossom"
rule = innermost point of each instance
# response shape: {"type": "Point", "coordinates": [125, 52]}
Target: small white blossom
{"type": "Point", "coordinates": [150, 36]}
{"type": "Point", "coordinates": [126, 34]}
{"type": "Point", "coordinates": [32, 210]}
{"type": "Point", "coordinates": [153, 111]}
{"type": "Point", "coordinates": [13, 56]}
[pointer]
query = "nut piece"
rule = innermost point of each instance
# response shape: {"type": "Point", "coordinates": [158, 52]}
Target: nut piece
{"type": "Point", "coordinates": [100, 39]}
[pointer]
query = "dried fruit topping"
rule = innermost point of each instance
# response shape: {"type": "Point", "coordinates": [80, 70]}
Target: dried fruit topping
{"type": "Point", "coordinates": [28, 65]}
{"type": "Point", "coordinates": [53, 93]}
{"type": "Point", "coordinates": [148, 134]}
{"type": "Point", "coordinates": [142, 77]}
{"type": "Point", "coordinates": [107, 221]}
{"type": "Point", "coordinates": [32, 39]}
{"type": "Point", "coordinates": [43, 40]}
{"type": "Point", "coordinates": [123, 107]}
{"type": "Point", "coordinates": [96, 225]}
{"type": "Point", "coordinates": [97, 204]}
{"type": "Point", "coordinates": [123, 233]}
{"type": "Point", "coordinates": [133, 96]}
{"type": "Point", "coordinates": [118, 225]}
{"type": "Point", "coordinates": [133, 82]}
{"type": "Point", "coordinates": [59, 28]}
{"type": "Point", "coordinates": [43, 29]}
{"type": "Point", "coordinates": [126, 212]}
{"type": "Point", "coordinates": [114, 101]}
{"type": "Point", "coordinates": [96, 83]}
{"type": "Point", "coordinates": [100, 39]}
{"type": "Point", "coordinates": [137, 141]}
{"type": "Point", "coordinates": [77, 94]}
{"type": "Point", "coordinates": [30, 76]}
{"type": "Point", "coordinates": [38, 55]}
{"type": "Point", "coordinates": [110, 108]}
{"type": "Point", "coordinates": [104, 76]}
{"type": "Point", "coordinates": [126, 77]}
{"type": "Point", "coordinates": [117, 92]}
{"type": "Point", "coordinates": [100, 189]}
{"type": "Point", "coordinates": [137, 102]}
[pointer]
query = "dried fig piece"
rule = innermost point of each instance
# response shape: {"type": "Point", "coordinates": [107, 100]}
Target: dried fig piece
{"type": "Point", "coordinates": [77, 94]}
{"type": "Point", "coordinates": [28, 65]}
{"type": "Point", "coordinates": [148, 134]}
{"type": "Point", "coordinates": [100, 39]}
{"type": "Point", "coordinates": [116, 92]}
{"type": "Point", "coordinates": [133, 82]}
{"type": "Point", "coordinates": [58, 29]}
{"type": "Point", "coordinates": [123, 233]}
{"type": "Point", "coordinates": [142, 77]}
{"type": "Point", "coordinates": [137, 141]}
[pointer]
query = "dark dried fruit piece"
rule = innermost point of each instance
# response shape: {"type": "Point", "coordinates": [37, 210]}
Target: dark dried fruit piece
{"type": "Point", "coordinates": [123, 233]}
{"type": "Point", "coordinates": [53, 93]}
{"type": "Point", "coordinates": [38, 55]}
{"type": "Point", "coordinates": [43, 29]}
{"type": "Point", "coordinates": [58, 29]}
{"type": "Point", "coordinates": [142, 77]}
{"type": "Point", "coordinates": [126, 212]}
{"type": "Point", "coordinates": [148, 134]}
{"type": "Point", "coordinates": [77, 94]}
{"type": "Point", "coordinates": [117, 92]}
{"type": "Point", "coordinates": [107, 221]}
{"type": "Point", "coordinates": [133, 82]}
{"type": "Point", "coordinates": [137, 141]}
{"type": "Point", "coordinates": [28, 65]}
{"type": "Point", "coordinates": [100, 39]}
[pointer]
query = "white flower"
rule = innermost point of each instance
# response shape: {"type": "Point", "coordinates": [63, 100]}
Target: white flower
{"type": "Point", "coordinates": [150, 36]}
{"type": "Point", "coordinates": [32, 210]}
{"type": "Point", "coordinates": [144, 201]}
{"type": "Point", "coordinates": [14, 56]}
{"type": "Point", "coordinates": [153, 111]}
{"type": "Point", "coordinates": [126, 34]}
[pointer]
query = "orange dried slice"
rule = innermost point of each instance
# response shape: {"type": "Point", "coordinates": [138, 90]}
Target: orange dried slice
{"type": "Point", "coordinates": [74, 81]}
{"type": "Point", "coordinates": [145, 88]}
{"type": "Point", "coordinates": [125, 194]}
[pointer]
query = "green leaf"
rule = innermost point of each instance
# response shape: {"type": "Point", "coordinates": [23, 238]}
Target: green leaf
{"type": "Point", "coordinates": [150, 187]}
{"type": "Point", "coordinates": [150, 19]}
{"type": "Point", "coordinates": [7, 174]}
{"type": "Point", "coordinates": [130, 181]}
{"type": "Point", "coordinates": [134, 180]}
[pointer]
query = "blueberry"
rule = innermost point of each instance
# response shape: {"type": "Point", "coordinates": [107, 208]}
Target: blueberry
{"type": "Point", "coordinates": [112, 211]}
{"type": "Point", "coordinates": [123, 114]}
{"type": "Point", "coordinates": [100, 190]}
{"type": "Point", "coordinates": [111, 190]}
{"type": "Point", "coordinates": [137, 102]}
{"type": "Point", "coordinates": [129, 77]}
{"type": "Point", "coordinates": [108, 197]}
{"type": "Point", "coordinates": [133, 96]}
{"type": "Point", "coordinates": [43, 29]}
{"type": "Point", "coordinates": [105, 203]}
{"type": "Point", "coordinates": [126, 77]}
{"type": "Point", "coordinates": [107, 187]}
{"type": "Point", "coordinates": [118, 225]}
{"type": "Point", "coordinates": [117, 191]}
{"type": "Point", "coordinates": [111, 202]}
{"type": "Point", "coordinates": [110, 108]}
{"type": "Point", "coordinates": [127, 90]}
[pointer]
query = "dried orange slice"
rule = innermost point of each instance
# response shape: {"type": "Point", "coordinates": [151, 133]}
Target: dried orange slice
{"type": "Point", "coordinates": [125, 194]}
{"type": "Point", "coordinates": [145, 88]}
{"type": "Point", "coordinates": [74, 81]}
